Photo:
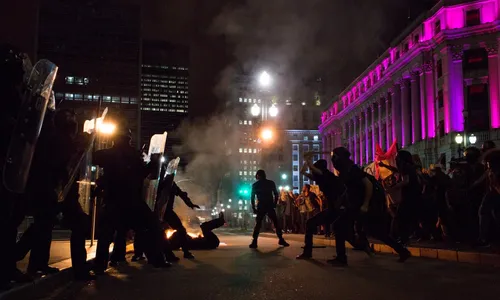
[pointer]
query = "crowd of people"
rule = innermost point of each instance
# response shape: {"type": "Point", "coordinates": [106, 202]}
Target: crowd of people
{"type": "Point", "coordinates": [411, 204]}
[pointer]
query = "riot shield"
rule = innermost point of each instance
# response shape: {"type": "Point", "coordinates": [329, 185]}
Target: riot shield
{"type": "Point", "coordinates": [156, 147]}
{"type": "Point", "coordinates": [81, 164]}
{"type": "Point", "coordinates": [28, 127]}
{"type": "Point", "coordinates": [166, 184]}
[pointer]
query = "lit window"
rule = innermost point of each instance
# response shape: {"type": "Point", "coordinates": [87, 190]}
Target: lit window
{"type": "Point", "coordinates": [245, 150]}
{"type": "Point", "coordinates": [315, 138]}
{"type": "Point", "coordinates": [250, 122]}
{"type": "Point", "coordinates": [241, 100]}
{"type": "Point", "coordinates": [241, 172]}
{"type": "Point", "coordinates": [115, 99]}
{"type": "Point", "coordinates": [306, 138]}
{"type": "Point", "coordinates": [245, 122]}
{"type": "Point", "coordinates": [245, 173]}
{"type": "Point", "coordinates": [69, 79]}
{"type": "Point", "coordinates": [254, 150]}
{"type": "Point", "coordinates": [68, 96]}
{"type": "Point", "coordinates": [245, 100]}
{"type": "Point", "coordinates": [241, 122]}
{"type": "Point", "coordinates": [107, 98]}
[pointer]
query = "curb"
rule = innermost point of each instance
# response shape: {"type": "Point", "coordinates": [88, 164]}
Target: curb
{"type": "Point", "coordinates": [489, 259]}
{"type": "Point", "coordinates": [44, 285]}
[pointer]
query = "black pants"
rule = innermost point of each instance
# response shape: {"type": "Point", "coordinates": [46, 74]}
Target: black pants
{"type": "Point", "coordinates": [80, 225]}
{"type": "Point", "coordinates": [120, 245]}
{"type": "Point", "coordinates": [488, 212]}
{"type": "Point", "coordinates": [172, 219]}
{"type": "Point", "coordinates": [374, 226]}
{"type": "Point", "coordinates": [38, 237]}
{"type": "Point", "coordinates": [11, 216]}
{"type": "Point", "coordinates": [407, 219]}
{"type": "Point", "coordinates": [271, 213]}
{"type": "Point", "coordinates": [138, 216]}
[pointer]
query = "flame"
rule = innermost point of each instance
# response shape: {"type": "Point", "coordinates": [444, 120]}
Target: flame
{"type": "Point", "coordinates": [170, 232]}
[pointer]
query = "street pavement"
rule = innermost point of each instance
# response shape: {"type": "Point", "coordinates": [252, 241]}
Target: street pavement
{"type": "Point", "coordinates": [235, 272]}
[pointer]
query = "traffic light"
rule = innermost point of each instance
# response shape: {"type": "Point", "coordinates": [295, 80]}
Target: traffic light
{"type": "Point", "coordinates": [244, 190]}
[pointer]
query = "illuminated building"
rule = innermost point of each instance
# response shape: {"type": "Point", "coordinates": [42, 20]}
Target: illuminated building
{"type": "Point", "coordinates": [440, 78]}
{"type": "Point", "coordinates": [164, 91]}
{"type": "Point", "coordinates": [96, 45]}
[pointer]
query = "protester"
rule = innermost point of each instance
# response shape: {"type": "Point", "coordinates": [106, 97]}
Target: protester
{"type": "Point", "coordinates": [267, 196]}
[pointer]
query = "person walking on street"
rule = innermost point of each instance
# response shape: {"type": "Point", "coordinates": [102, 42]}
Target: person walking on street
{"type": "Point", "coordinates": [267, 196]}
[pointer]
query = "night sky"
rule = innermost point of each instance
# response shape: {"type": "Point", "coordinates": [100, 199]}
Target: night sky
{"type": "Point", "coordinates": [300, 40]}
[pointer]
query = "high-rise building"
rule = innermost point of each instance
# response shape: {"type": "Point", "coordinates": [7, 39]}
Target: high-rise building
{"type": "Point", "coordinates": [164, 90]}
{"type": "Point", "coordinates": [435, 91]}
{"type": "Point", "coordinates": [96, 45]}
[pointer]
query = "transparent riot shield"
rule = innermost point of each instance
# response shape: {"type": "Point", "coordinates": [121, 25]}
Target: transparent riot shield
{"type": "Point", "coordinates": [156, 147]}
{"type": "Point", "coordinates": [166, 187]}
{"type": "Point", "coordinates": [29, 124]}
{"type": "Point", "coordinates": [81, 164]}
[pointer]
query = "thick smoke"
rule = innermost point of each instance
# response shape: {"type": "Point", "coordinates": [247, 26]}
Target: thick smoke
{"type": "Point", "coordinates": [307, 39]}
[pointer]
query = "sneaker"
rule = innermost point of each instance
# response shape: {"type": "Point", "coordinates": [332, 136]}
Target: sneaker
{"type": "Point", "coordinates": [253, 245]}
{"type": "Point", "coordinates": [43, 271]}
{"type": "Point", "coordinates": [188, 255]}
{"type": "Point", "coordinates": [403, 256]}
{"type": "Point", "coordinates": [336, 262]}
{"type": "Point", "coordinates": [170, 257]}
{"type": "Point", "coordinates": [283, 243]}
{"type": "Point", "coordinates": [305, 255]}
{"type": "Point", "coordinates": [138, 258]}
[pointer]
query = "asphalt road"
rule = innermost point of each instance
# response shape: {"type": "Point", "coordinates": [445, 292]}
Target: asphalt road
{"type": "Point", "coordinates": [235, 272]}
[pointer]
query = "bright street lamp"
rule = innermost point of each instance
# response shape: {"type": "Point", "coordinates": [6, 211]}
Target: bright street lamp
{"type": "Point", "coordinates": [284, 177]}
{"type": "Point", "coordinates": [106, 128]}
{"type": "Point", "coordinates": [265, 79]}
{"type": "Point", "coordinates": [267, 134]}
{"type": "Point", "coordinates": [280, 188]}
{"type": "Point", "coordinates": [255, 110]}
{"type": "Point", "coordinates": [472, 139]}
{"type": "Point", "coordinates": [273, 111]}
{"type": "Point", "coordinates": [287, 188]}
{"type": "Point", "coordinates": [459, 139]}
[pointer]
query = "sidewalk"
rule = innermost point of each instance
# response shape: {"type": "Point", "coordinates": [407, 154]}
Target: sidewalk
{"type": "Point", "coordinates": [489, 257]}
{"type": "Point", "coordinates": [60, 258]}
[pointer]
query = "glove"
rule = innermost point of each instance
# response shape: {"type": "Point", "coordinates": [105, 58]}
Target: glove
{"type": "Point", "coordinates": [195, 206]}
{"type": "Point", "coordinates": [52, 102]}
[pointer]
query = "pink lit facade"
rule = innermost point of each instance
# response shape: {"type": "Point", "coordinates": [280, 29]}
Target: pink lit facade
{"type": "Point", "coordinates": [441, 79]}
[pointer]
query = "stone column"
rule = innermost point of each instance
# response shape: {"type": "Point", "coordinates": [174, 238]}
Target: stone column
{"type": "Point", "coordinates": [493, 75]}
{"type": "Point", "coordinates": [382, 141]}
{"type": "Point", "coordinates": [405, 114]}
{"type": "Point", "coordinates": [367, 136]}
{"type": "Point", "coordinates": [355, 140]}
{"type": "Point", "coordinates": [430, 97]}
{"type": "Point", "coordinates": [361, 135]}
{"type": "Point", "coordinates": [416, 117]}
{"type": "Point", "coordinates": [324, 145]}
{"type": "Point", "coordinates": [453, 88]}
{"type": "Point", "coordinates": [375, 127]}
{"type": "Point", "coordinates": [388, 118]}
{"type": "Point", "coordinates": [423, 105]}
{"type": "Point", "coordinates": [396, 114]}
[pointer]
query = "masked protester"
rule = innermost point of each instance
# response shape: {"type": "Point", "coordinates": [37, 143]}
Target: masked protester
{"type": "Point", "coordinates": [333, 190]}
{"type": "Point", "coordinates": [365, 204]}
{"type": "Point", "coordinates": [206, 241]}
{"type": "Point", "coordinates": [124, 207]}
{"type": "Point", "coordinates": [267, 196]}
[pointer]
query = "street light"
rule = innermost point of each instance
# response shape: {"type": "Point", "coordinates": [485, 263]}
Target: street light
{"type": "Point", "coordinates": [287, 188]}
{"type": "Point", "coordinates": [255, 110]}
{"type": "Point", "coordinates": [273, 111]}
{"type": "Point", "coordinates": [280, 188]}
{"type": "Point", "coordinates": [284, 177]}
{"type": "Point", "coordinates": [472, 139]}
{"type": "Point", "coordinates": [106, 128]}
{"type": "Point", "coordinates": [265, 79]}
{"type": "Point", "coordinates": [267, 134]}
{"type": "Point", "coordinates": [459, 139]}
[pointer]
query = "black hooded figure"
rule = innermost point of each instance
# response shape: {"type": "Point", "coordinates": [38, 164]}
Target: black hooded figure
{"type": "Point", "coordinates": [267, 196]}
{"type": "Point", "coordinates": [333, 189]}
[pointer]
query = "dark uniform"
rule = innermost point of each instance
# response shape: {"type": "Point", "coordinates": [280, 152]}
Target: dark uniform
{"type": "Point", "coordinates": [208, 240]}
{"type": "Point", "coordinates": [267, 196]}
{"type": "Point", "coordinates": [11, 210]}
{"type": "Point", "coordinates": [124, 207]}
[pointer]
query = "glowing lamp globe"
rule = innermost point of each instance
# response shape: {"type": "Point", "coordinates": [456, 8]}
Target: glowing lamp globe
{"type": "Point", "coordinates": [273, 111]}
{"type": "Point", "coordinates": [472, 139]}
{"type": "Point", "coordinates": [459, 139]}
{"type": "Point", "coordinates": [255, 110]}
{"type": "Point", "coordinates": [265, 79]}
